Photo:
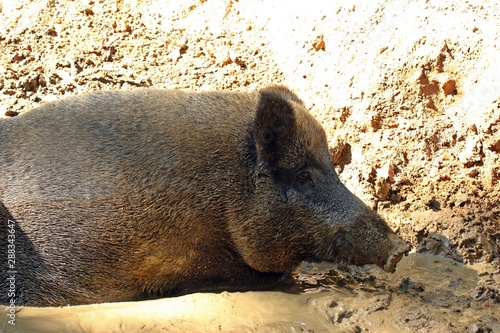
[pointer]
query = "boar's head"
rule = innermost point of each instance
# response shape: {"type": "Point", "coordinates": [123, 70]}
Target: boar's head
{"type": "Point", "coordinates": [298, 209]}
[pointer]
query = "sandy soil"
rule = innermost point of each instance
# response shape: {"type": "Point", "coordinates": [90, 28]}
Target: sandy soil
{"type": "Point", "coordinates": [408, 91]}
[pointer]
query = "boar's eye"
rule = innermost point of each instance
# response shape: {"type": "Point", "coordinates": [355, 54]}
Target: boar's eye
{"type": "Point", "coordinates": [304, 177]}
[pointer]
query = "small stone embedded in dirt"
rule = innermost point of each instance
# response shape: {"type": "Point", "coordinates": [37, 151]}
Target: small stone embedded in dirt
{"type": "Point", "coordinates": [341, 315]}
{"type": "Point", "coordinates": [387, 172]}
{"type": "Point", "coordinates": [88, 11]}
{"type": "Point", "coordinates": [382, 188]}
{"type": "Point", "coordinates": [122, 26]}
{"type": "Point", "coordinates": [409, 286]}
{"type": "Point", "coordinates": [376, 122]}
{"type": "Point", "coordinates": [340, 151]}
{"type": "Point", "coordinates": [472, 153]}
{"type": "Point", "coordinates": [450, 87]}
{"type": "Point", "coordinates": [319, 43]}
{"type": "Point", "coordinates": [428, 87]}
{"type": "Point", "coordinates": [473, 173]}
{"type": "Point", "coordinates": [11, 113]}
{"type": "Point", "coordinates": [480, 328]}
{"type": "Point", "coordinates": [175, 54]}
{"type": "Point", "coordinates": [345, 113]}
{"type": "Point", "coordinates": [379, 303]}
{"type": "Point", "coordinates": [495, 146]}
{"type": "Point", "coordinates": [461, 199]}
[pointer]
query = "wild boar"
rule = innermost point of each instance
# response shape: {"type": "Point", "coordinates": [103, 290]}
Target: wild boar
{"type": "Point", "coordinates": [117, 196]}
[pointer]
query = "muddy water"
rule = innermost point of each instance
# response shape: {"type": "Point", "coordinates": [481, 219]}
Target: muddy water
{"type": "Point", "coordinates": [426, 294]}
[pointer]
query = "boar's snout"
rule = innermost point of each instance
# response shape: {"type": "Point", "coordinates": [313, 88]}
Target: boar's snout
{"type": "Point", "coordinates": [396, 252]}
{"type": "Point", "coordinates": [382, 246]}
{"type": "Point", "coordinates": [360, 236]}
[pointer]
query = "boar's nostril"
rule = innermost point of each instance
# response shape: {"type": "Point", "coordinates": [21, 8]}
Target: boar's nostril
{"type": "Point", "coordinates": [395, 256]}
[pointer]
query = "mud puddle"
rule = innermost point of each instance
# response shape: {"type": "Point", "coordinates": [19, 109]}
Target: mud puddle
{"type": "Point", "coordinates": [426, 294]}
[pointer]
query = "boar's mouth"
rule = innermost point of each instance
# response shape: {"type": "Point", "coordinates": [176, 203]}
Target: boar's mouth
{"type": "Point", "coordinates": [395, 256]}
{"type": "Point", "coordinates": [343, 251]}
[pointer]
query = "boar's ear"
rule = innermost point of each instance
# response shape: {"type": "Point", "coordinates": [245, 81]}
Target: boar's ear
{"type": "Point", "coordinates": [282, 91]}
{"type": "Point", "coordinates": [274, 126]}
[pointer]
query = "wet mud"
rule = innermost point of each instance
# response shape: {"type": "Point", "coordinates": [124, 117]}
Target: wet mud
{"type": "Point", "coordinates": [426, 294]}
